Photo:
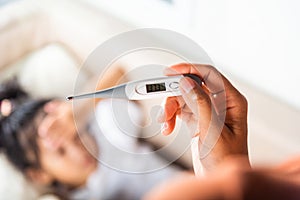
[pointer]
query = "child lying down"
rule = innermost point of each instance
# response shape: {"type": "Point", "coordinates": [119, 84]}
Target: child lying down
{"type": "Point", "coordinates": [40, 139]}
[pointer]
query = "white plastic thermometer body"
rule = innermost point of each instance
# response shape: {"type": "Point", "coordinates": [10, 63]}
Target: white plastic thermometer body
{"type": "Point", "coordinates": [153, 88]}
{"type": "Point", "coordinates": [142, 89]}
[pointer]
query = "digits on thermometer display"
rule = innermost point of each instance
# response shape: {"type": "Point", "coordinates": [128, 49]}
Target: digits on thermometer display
{"type": "Point", "coordinates": [155, 87]}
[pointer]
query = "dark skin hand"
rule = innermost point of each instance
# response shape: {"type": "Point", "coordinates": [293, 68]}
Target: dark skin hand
{"type": "Point", "coordinates": [232, 176]}
{"type": "Point", "coordinates": [215, 109]}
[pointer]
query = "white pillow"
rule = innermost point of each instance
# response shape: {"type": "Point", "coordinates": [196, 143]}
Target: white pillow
{"type": "Point", "coordinates": [50, 71]}
{"type": "Point", "coordinates": [46, 72]}
{"type": "Point", "coordinates": [13, 185]}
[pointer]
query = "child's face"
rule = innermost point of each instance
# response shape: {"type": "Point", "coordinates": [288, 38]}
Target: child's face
{"type": "Point", "coordinates": [62, 154]}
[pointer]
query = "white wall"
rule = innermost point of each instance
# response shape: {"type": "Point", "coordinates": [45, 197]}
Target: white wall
{"type": "Point", "coordinates": [258, 41]}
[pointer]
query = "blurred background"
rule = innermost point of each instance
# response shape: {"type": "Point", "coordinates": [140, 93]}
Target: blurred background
{"type": "Point", "coordinates": [254, 43]}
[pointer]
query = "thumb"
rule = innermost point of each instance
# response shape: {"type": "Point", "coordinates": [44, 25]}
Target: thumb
{"type": "Point", "coordinates": [198, 102]}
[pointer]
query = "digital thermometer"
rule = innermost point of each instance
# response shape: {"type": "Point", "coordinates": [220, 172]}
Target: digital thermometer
{"type": "Point", "coordinates": [142, 89]}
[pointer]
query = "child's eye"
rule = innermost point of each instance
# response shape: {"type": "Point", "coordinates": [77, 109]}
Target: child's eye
{"type": "Point", "coordinates": [61, 151]}
{"type": "Point", "coordinates": [76, 138]}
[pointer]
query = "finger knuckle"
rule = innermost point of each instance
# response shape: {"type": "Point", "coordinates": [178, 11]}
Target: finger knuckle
{"type": "Point", "coordinates": [243, 100]}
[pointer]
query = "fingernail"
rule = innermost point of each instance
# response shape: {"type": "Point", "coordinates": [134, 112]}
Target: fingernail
{"type": "Point", "coordinates": [187, 85]}
{"type": "Point", "coordinates": [164, 128]}
{"type": "Point", "coordinates": [160, 117]}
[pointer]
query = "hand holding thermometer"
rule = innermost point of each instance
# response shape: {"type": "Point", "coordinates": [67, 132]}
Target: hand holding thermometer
{"type": "Point", "coordinates": [142, 89]}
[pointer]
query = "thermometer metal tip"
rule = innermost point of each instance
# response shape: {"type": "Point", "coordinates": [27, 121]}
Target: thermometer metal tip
{"type": "Point", "coordinates": [69, 98]}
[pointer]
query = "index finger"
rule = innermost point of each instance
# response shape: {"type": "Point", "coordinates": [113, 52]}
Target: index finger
{"type": "Point", "coordinates": [212, 78]}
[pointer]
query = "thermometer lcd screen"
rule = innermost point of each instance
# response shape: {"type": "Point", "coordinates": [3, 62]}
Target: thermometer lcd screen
{"type": "Point", "coordinates": [157, 87]}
